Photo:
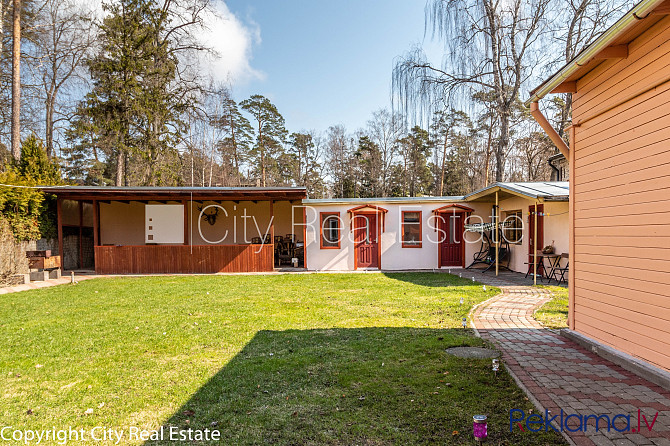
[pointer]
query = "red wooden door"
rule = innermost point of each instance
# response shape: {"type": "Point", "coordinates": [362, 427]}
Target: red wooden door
{"type": "Point", "coordinates": [366, 241]}
{"type": "Point", "coordinates": [451, 245]}
{"type": "Point", "coordinates": [532, 245]}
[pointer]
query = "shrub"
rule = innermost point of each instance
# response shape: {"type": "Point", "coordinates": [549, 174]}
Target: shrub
{"type": "Point", "coordinates": [29, 213]}
{"type": "Point", "coordinates": [12, 258]}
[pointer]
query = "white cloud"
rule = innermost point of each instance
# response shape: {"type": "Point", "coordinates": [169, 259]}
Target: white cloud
{"type": "Point", "coordinates": [230, 38]}
{"type": "Point", "coordinates": [232, 41]}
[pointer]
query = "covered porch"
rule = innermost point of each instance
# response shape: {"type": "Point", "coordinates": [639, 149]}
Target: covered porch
{"type": "Point", "coordinates": [157, 230]}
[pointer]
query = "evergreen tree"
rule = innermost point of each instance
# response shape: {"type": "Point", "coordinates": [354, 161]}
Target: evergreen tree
{"type": "Point", "coordinates": [133, 112]}
{"type": "Point", "coordinates": [415, 149]}
{"type": "Point", "coordinates": [237, 140]}
{"type": "Point", "coordinates": [370, 164]}
{"type": "Point", "coordinates": [270, 135]}
{"type": "Point", "coordinates": [34, 165]}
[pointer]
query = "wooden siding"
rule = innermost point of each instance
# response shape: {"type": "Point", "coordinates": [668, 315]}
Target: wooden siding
{"type": "Point", "coordinates": [176, 259]}
{"type": "Point", "coordinates": [621, 187]}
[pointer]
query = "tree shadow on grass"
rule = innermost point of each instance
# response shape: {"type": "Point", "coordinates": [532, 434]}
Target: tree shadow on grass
{"type": "Point", "coordinates": [355, 386]}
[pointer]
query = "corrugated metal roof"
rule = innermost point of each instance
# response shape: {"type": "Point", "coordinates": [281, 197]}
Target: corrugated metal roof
{"type": "Point", "coordinates": [549, 190]}
{"type": "Point", "coordinates": [383, 200]}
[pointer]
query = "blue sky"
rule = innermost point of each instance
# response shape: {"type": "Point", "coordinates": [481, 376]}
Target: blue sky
{"type": "Point", "coordinates": [327, 62]}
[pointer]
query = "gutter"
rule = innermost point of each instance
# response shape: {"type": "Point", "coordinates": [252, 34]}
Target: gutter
{"type": "Point", "coordinates": [639, 12]}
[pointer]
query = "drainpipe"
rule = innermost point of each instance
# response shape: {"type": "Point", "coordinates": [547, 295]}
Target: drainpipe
{"type": "Point", "coordinates": [549, 129]}
{"type": "Point", "coordinates": [555, 169]}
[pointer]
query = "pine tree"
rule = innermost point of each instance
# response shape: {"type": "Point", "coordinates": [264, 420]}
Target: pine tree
{"type": "Point", "coordinates": [270, 135]}
{"type": "Point", "coordinates": [235, 145]}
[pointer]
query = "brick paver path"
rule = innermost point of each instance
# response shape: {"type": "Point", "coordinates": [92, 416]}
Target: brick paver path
{"type": "Point", "coordinates": [560, 374]}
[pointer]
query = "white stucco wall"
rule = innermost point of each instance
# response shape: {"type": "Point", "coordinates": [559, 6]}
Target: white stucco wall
{"type": "Point", "coordinates": [395, 257]}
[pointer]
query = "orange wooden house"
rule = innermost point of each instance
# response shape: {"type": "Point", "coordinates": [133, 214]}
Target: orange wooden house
{"type": "Point", "coordinates": [619, 158]}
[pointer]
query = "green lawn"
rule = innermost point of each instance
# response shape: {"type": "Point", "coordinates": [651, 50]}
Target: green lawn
{"type": "Point", "coordinates": [554, 314]}
{"type": "Point", "coordinates": [285, 359]}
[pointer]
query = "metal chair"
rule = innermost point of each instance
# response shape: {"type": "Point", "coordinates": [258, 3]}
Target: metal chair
{"type": "Point", "coordinates": [562, 270]}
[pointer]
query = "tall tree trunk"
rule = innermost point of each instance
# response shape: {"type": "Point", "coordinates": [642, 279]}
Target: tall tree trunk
{"type": "Point", "coordinates": [16, 81]}
{"type": "Point", "coordinates": [444, 162]}
{"type": "Point", "coordinates": [489, 142]}
{"type": "Point", "coordinates": [120, 168]}
{"type": "Point", "coordinates": [49, 124]}
{"type": "Point", "coordinates": [2, 27]}
{"type": "Point", "coordinates": [503, 144]}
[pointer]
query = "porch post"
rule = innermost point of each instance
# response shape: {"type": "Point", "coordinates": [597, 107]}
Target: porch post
{"type": "Point", "coordinates": [96, 225]}
{"type": "Point", "coordinates": [81, 236]}
{"type": "Point", "coordinates": [96, 236]}
{"type": "Point", "coordinates": [304, 237]}
{"type": "Point", "coordinates": [59, 214]}
{"type": "Point", "coordinates": [497, 235]}
{"type": "Point", "coordinates": [272, 231]}
{"type": "Point", "coordinates": [535, 246]}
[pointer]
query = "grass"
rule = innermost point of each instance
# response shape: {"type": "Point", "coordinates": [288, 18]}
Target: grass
{"type": "Point", "coordinates": [554, 314]}
{"type": "Point", "coordinates": [285, 359]}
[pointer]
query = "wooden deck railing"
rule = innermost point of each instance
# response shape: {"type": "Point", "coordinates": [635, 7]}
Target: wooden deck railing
{"type": "Point", "coordinates": [166, 259]}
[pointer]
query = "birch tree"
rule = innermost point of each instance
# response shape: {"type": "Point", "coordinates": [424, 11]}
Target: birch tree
{"type": "Point", "coordinates": [490, 45]}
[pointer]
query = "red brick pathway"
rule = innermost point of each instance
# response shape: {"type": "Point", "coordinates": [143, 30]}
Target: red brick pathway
{"type": "Point", "coordinates": [560, 374]}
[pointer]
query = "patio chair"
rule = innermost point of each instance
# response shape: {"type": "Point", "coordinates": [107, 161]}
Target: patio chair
{"type": "Point", "coordinates": [540, 267]}
{"type": "Point", "coordinates": [562, 270]}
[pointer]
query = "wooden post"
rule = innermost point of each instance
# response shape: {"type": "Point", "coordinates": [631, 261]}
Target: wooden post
{"type": "Point", "coordinates": [497, 235]}
{"type": "Point", "coordinates": [304, 237]}
{"type": "Point", "coordinates": [96, 225]}
{"type": "Point", "coordinates": [535, 246]}
{"type": "Point", "coordinates": [59, 214]}
{"type": "Point", "coordinates": [81, 235]}
{"type": "Point", "coordinates": [272, 231]}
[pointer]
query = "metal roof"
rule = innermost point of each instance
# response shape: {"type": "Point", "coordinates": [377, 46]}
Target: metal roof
{"type": "Point", "coordinates": [131, 189]}
{"type": "Point", "coordinates": [173, 193]}
{"type": "Point", "coordinates": [547, 190]}
{"type": "Point", "coordinates": [325, 201]}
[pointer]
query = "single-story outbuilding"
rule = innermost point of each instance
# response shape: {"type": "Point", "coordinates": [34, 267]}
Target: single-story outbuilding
{"type": "Point", "coordinates": [143, 230]}
{"type": "Point", "coordinates": [437, 232]}
{"type": "Point", "coordinates": [619, 158]}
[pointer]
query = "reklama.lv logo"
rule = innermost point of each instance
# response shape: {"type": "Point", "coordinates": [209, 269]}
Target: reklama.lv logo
{"type": "Point", "coordinates": [577, 422]}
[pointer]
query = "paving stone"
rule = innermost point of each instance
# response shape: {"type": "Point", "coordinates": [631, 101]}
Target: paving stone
{"type": "Point", "coordinates": [561, 373]}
